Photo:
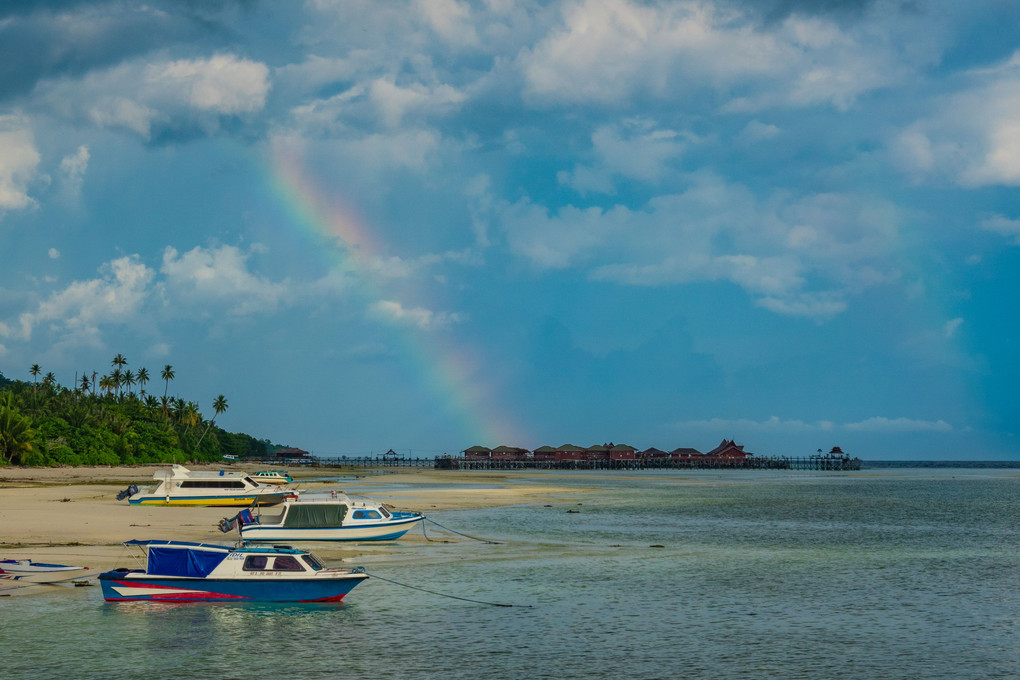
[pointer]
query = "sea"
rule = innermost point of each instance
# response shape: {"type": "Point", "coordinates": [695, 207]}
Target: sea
{"type": "Point", "coordinates": [877, 574]}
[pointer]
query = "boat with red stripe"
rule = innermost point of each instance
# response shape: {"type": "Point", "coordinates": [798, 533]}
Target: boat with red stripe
{"type": "Point", "coordinates": [178, 571]}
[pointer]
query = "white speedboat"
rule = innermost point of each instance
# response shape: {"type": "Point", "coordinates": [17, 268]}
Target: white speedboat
{"type": "Point", "coordinates": [324, 517]}
{"type": "Point", "coordinates": [27, 571]}
{"type": "Point", "coordinates": [177, 571]}
{"type": "Point", "coordinates": [272, 477]}
{"type": "Point", "coordinates": [181, 486]}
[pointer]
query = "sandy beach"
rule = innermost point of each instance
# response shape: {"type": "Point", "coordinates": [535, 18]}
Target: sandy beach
{"type": "Point", "coordinates": [71, 515]}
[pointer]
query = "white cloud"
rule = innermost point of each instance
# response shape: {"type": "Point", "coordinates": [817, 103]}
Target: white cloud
{"type": "Point", "coordinates": [636, 150]}
{"type": "Point", "coordinates": [450, 20]}
{"type": "Point", "coordinates": [1004, 226]}
{"type": "Point", "coordinates": [218, 276]}
{"type": "Point", "coordinates": [881, 424]}
{"type": "Point", "coordinates": [756, 131]}
{"type": "Point", "coordinates": [419, 317]}
{"type": "Point", "coordinates": [19, 161]}
{"type": "Point", "coordinates": [74, 166]}
{"type": "Point", "coordinates": [394, 102]}
{"type": "Point", "coordinates": [796, 256]}
{"type": "Point", "coordinates": [183, 93]}
{"type": "Point", "coordinates": [608, 51]}
{"type": "Point", "coordinates": [81, 308]}
{"type": "Point", "coordinates": [952, 326]}
{"type": "Point", "coordinates": [775, 424]}
{"type": "Point", "coordinates": [972, 136]}
{"type": "Point", "coordinates": [53, 253]}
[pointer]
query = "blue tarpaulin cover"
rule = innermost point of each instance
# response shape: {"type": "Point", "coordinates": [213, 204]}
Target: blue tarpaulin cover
{"type": "Point", "coordinates": [195, 563]}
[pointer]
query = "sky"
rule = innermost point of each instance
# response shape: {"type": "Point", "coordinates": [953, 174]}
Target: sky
{"type": "Point", "coordinates": [430, 224]}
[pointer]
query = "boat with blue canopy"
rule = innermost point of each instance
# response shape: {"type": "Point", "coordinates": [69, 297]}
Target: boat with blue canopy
{"type": "Point", "coordinates": [178, 571]}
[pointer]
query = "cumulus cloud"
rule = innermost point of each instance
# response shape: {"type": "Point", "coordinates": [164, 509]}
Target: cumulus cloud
{"type": "Point", "coordinates": [637, 149]}
{"type": "Point", "coordinates": [19, 161]}
{"type": "Point", "coordinates": [141, 96]}
{"type": "Point", "coordinates": [798, 257]}
{"type": "Point", "coordinates": [608, 51]}
{"type": "Point", "coordinates": [419, 317]}
{"type": "Point", "coordinates": [972, 136]}
{"type": "Point", "coordinates": [80, 309]}
{"type": "Point", "coordinates": [219, 277]}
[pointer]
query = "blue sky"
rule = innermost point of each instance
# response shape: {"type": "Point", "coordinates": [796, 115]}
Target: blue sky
{"type": "Point", "coordinates": [432, 224]}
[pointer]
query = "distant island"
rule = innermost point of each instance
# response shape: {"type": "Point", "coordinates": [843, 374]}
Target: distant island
{"type": "Point", "coordinates": [105, 420]}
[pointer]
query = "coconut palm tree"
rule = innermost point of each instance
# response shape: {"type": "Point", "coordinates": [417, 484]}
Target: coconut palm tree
{"type": "Point", "coordinates": [142, 378]}
{"type": "Point", "coordinates": [15, 432]}
{"type": "Point", "coordinates": [129, 380]}
{"type": "Point", "coordinates": [219, 405]}
{"type": "Point", "coordinates": [35, 371]}
{"type": "Point", "coordinates": [84, 382]}
{"type": "Point", "coordinates": [167, 375]}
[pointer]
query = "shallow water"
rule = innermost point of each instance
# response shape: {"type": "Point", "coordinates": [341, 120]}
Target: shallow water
{"type": "Point", "coordinates": [912, 574]}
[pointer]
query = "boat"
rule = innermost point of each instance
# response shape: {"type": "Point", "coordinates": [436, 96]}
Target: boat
{"type": "Point", "coordinates": [333, 516]}
{"type": "Point", "coordinates": [272, 477]}
{"type": "Point", "coordinates": [181, 486]}
{"type": "Point", "coordinates": [177, 571]}
{"type": "Point", "coordinates": [27, 571]}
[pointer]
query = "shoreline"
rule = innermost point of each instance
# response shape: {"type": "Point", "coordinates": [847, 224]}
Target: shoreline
{"type": "Point", "coordinates": [71, 515]}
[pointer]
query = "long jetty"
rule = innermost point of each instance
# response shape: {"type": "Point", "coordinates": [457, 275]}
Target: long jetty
{"type": "Point", "coordinates": [817, 463]}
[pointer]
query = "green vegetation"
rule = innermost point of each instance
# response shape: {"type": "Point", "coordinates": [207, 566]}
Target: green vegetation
{"type": "Point", "coordinates": [102, 420]}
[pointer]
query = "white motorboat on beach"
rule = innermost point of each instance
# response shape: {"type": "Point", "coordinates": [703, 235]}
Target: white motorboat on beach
{"type": "Point", "coordinates": [272, 477]}
{"type": "Point", "coordinates": [177, 571]}
{"type": "Point", "coordinates": [330, 516]}
{"type": "Point", "coordinates": [28, 571]}
{"type": "Point", "coordinates": [181, 486]}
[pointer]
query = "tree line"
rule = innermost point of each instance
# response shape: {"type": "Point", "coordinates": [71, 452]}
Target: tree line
{"type": "Point", "coordinates": [103, 420]}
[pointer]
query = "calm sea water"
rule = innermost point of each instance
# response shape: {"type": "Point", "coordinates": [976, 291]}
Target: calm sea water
{"type": "Point", "coordinates": [891, 574]}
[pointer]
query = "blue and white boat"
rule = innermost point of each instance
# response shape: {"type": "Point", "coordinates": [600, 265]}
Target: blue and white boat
{"type": "Point", "coordinates": [29, 571]}
{"type": "Point", "coordinates": [177, 571]}
{"type": "Point", "coordinates": [330, 516]}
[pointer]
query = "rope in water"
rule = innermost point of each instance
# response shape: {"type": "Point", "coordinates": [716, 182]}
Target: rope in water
{"type": "Point", "coordinates": [433, 592]}
{"type": "Point", "coordinates": [473, 538]}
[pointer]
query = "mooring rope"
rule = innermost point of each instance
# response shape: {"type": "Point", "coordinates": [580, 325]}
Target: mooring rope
{"type": "Point", "coordinates": [473, 538]}
{"type": "Point", "coordinates": [433, 592]}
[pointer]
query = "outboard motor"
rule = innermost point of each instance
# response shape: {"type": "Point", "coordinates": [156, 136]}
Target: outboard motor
{"type": "Point", "coordinates": [128, 492]}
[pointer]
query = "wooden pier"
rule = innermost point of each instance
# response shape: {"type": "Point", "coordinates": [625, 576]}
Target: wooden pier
{"type": "Point", "coordinates": [815, 463]}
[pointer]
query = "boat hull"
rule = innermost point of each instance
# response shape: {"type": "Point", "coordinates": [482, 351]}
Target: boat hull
{"type": "Point", "coordinates": [238, 501]}
{"type": "Point", "coordinates": [383, 531]}
{"type": "Point", "coordinates": [121, 587]}
{"type": "Point", "coordinates": [27, 571]}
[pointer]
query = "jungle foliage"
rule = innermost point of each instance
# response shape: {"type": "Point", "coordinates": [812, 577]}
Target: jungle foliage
{"type": "Point", "coordinates": [105, 421]}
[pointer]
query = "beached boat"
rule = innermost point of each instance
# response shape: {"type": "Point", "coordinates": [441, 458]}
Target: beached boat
{"type": "Point", "coordinates": [324, 517]}
{"type": "Point", "coordinates": [189, 572]}
{"type": "Point", "coordinates": [181, 486]}
{"type": "Point", "coordinates": [272, 477]}
{"type": "Point", "coordinates": [27, 571]}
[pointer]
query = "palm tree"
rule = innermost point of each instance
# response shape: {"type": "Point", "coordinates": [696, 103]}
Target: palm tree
{"type": "Point", "coordinates": [142, 378]}
{"type": "Point", "coordinates": [35, 371]}
{"type": "Point", "coordinates": [15, 432]}
{"type": "Point", "coordinates": [85, 382]}
{"type": "Point", "coordinates": [117, 378]}
{"type": "Point", "coordinates": [129, 380]}
{"type": "Point", "coordinates": [119, 361]}
{"type": "Point", "coordinates": [220, 405]}
{"type": "Point", "coordinates": [167, 375]}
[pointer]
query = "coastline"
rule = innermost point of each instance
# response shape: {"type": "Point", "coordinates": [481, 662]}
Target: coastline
{"type": "Point", "coordinates": [71, 515]}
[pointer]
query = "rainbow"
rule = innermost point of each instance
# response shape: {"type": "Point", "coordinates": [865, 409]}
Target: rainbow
{"type": "Point", "coordinates": [455, 373]}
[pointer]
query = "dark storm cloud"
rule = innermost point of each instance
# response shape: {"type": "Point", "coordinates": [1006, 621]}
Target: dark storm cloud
{"type": "Point", "coordinates": [69, 38]}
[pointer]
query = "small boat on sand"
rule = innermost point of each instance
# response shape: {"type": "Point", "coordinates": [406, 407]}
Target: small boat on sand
{"type": "Point", "coordinates": [324, 517]}
{"type": "Point", "coordinates": [27, 571]}
{"type": "Point", "coordinates": [181, 486]}
{"type": "Point", "coordinates": [177, 571]}
{"type": "Point", "coordinates": [272, 477]}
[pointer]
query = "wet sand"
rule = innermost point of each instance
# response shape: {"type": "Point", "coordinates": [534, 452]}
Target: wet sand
{"type": "Point", "coordinates": [71, 515]}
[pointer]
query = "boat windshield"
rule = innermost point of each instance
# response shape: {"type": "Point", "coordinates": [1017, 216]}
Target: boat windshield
{"type": "Point", "coordinates": [384, 511]}
{"type": "Point", "coordinates": [313, 562]}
